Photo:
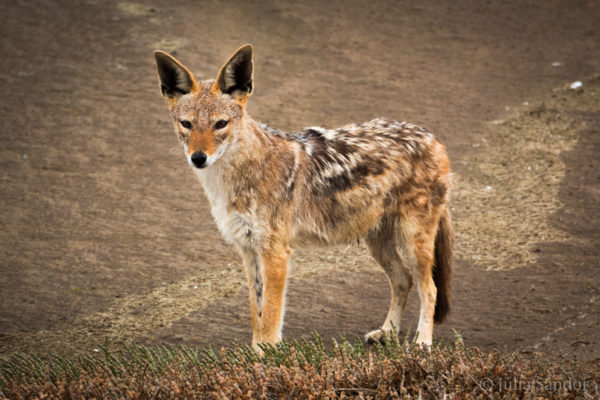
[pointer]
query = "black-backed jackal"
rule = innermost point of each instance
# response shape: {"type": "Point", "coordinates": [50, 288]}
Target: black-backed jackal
{"type": "Point", "coordinates": [384, 181]}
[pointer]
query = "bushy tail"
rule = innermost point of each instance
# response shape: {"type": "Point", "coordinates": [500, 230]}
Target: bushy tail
{"type": "Point", "coordinates": [442, 268]}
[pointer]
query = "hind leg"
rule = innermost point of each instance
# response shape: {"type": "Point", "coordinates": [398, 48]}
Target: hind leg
{"type": "Point", "coordinates": [427, 297]}
{"type": "Point", "coordinates": [382, 244]}
{"type": "Point", "coordinates": [419, 235]}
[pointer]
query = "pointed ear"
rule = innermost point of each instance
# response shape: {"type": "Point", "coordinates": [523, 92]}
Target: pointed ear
{"type": "Point", "coordinates": [175, 79]}
{"type": "Point", "coordinates": [235, 76]}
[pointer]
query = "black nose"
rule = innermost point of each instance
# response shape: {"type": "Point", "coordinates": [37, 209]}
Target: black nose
{"type": "Point", "coordinates": [198, 159]}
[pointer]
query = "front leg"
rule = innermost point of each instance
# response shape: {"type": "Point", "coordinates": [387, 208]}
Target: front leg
{"type": "Point", "coordinates": [275, 264]}
{"type": "Point", "coordinates": [254, 272]}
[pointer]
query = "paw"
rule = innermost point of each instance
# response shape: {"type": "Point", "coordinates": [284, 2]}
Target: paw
{"type": "Point", "coordinates": [378, 335]}
{"type": "Point", "coordinates": [259, 351]}
{"type": "Point", "coordinates": [423, 341]}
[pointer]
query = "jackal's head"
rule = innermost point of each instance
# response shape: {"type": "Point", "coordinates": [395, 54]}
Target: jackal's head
{"type": "Point", "coordinates": [208, 115]}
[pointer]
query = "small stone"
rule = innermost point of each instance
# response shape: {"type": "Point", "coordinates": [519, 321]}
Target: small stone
{"type": "Point", "coordinates": [576, 85]}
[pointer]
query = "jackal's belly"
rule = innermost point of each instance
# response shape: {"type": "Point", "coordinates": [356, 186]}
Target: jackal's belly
{"type": "Point", "coordinates": [335, 227]}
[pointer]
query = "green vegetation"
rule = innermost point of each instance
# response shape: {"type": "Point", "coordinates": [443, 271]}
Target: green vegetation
{"type": "Point", "coordinates": [304, 369]}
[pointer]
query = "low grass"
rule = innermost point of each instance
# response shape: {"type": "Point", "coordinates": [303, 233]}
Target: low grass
{"type": "Point", "coordinates": [300, 369]}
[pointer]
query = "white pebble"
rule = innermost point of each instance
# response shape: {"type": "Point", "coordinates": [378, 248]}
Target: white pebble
{"type": "Point", "coordinates": [576, 85]}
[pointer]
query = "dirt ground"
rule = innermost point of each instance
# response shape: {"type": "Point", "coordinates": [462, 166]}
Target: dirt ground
{"type": "Point", "coordinates": [106, 235]}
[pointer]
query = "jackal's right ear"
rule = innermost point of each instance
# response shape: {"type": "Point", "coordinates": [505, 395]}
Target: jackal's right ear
{"type": "Point", "coordinates": [175, 79]}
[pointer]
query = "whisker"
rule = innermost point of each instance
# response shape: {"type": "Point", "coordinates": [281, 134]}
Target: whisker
{"type": "Point", "coordinates": [175, 150]}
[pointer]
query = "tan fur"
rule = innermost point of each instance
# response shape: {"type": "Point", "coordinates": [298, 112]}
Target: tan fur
{"type": "Point", "coordinates": [384, 181]}
{"type": "Point", "coordinates": [203, 141]}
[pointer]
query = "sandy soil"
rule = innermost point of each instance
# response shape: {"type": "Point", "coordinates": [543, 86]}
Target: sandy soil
{"type": "Point", "coordinates": [107, 235]}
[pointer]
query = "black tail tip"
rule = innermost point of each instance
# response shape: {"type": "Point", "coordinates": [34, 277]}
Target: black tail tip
{"type": "Point", "coordinates": [442, 309]}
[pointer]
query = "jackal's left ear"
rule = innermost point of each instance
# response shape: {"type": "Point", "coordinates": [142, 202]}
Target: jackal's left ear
{"type": "Point", "coordinates": [175, 79]}
{"type": "Point", "coordinates": [235, 76]}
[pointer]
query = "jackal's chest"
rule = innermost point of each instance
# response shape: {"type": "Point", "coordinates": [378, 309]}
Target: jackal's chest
{"type": "Point", "coordinates": [240, 229]}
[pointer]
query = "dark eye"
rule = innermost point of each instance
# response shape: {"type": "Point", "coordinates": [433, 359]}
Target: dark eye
{"type": "Point", "coordinates": [186, 124]}
{"type": "Point", "coordinates": [221, 124]}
